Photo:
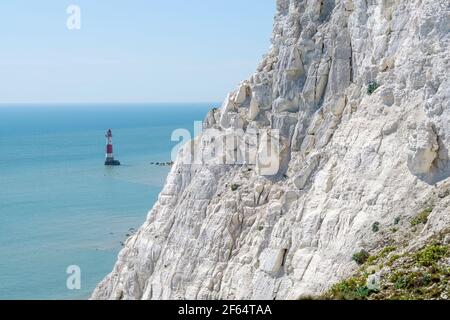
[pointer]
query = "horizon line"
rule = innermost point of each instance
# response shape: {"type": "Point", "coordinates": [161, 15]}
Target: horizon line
{"type": "Point", "coordinates": [101, 103]}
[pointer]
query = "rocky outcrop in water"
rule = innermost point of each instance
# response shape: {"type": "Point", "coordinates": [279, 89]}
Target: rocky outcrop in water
{"type": "Point", "coordinates": [356, 93]}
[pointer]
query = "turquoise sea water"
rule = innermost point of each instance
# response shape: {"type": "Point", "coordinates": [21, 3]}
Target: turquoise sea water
{"type": "Point", "coordinates": [60, 206]}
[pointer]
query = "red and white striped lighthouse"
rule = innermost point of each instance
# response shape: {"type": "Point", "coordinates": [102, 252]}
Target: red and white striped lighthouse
{"type": "Point", "coordinates": [109, 150]}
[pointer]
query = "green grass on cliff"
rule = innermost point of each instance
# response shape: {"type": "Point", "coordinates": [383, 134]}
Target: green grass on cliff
{"type": "Point", "coordinates": [419, 275]}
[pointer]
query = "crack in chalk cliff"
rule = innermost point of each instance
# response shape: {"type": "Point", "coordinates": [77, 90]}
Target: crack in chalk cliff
{"type": "Point", "coordinates": [307, 265]}
{"type": "Point", "coordinates": [351, 61]}
{"type": "Point", "coordinates": [283, 261]}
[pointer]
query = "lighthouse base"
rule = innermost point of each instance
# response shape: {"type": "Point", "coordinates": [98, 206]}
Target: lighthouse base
{"type": "Point", "coordinates": [112, 163]}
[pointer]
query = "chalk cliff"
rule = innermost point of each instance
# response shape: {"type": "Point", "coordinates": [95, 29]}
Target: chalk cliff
{"type": "Point", "coordinates": [356, 93]}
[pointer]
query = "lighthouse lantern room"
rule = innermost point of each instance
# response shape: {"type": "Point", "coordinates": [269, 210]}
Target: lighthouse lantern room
{"type": "Point", "coordinates": [109, 150]}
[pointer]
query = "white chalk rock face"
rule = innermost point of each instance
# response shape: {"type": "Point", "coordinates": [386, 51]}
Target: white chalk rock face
{"type": "Point", "coordinates": [423, 146]}
{"type": "Point", "coordinates": [247, 224]}
{"type": "Point", "coordinates": [241, 94]}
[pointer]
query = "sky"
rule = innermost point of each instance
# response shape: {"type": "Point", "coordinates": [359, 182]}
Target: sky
{"type": "Point", "coordinates": [130, 51]}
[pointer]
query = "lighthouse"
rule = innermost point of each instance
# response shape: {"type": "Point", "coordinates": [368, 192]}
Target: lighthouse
{"type": "Point", "coordinates": [109, 151]}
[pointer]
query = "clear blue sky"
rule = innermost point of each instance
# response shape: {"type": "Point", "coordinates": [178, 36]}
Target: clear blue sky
{"type": "Point", "coordinates": [130, 51]}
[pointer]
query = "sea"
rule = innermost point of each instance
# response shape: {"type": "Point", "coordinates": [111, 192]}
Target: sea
{"type": "Point", "coordinates": [60, 207]}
